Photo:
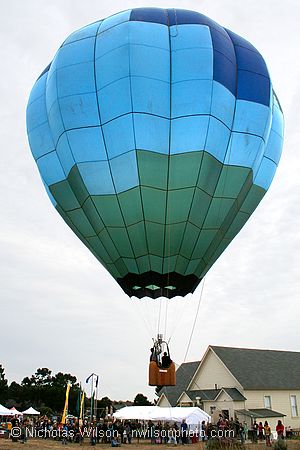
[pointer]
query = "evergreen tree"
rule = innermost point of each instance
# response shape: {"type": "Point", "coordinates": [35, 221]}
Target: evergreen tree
{"type": "Point", "coordinates": [141, 400]}
{"type": "Point", "coordinates": [3, 385]}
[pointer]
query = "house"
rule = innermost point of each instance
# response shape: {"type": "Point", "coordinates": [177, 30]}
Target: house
{"type": "Point", "coordinates": [244, 383]}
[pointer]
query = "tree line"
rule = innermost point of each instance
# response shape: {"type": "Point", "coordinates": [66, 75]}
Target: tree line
{"type": "Point", "coordinates": [46, 392]}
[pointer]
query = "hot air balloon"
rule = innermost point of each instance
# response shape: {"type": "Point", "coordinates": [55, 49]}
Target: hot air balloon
{"type": "Point", "coordinates": [156, 132]}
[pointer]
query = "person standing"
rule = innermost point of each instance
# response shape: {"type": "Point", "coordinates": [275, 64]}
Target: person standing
{"type": "Point", "coordinates": [260, 431]}
{"type": "Point", "coordinates": [280, 429]}
{"type": "Point", "coordinates": [151, 431]}
{"type": "Point", "coordinates": [203, 431]}
{"type": "Point", "coordinates": [158, 433]}
{"type": "Point", "coordinates": [236, 426]}
{"type": "Point", "coordinates": [184, 432]}
{"type": "Point", "coordinates": [254, 431]}
{"type": "Point", "coordinates": [173, 434]}
{"type": "Point", "coordinates": [65, 434]}
{"type": "Point", "coordinates": [267, 434]}
{"type": "Point", "coordinates": [241, 432]}
{"type": "Point", "coordinates": [128, 432]}
{"type": "Point", "coordinates": [245, 428]}
{"type": "Point", "coordinates": [166, 432]}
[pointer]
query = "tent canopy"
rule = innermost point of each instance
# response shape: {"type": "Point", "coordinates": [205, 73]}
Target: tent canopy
{"type": "Point", "coordinates": [134, 412]}
{"type": "Point", "coordinates": [191, 415]}
{"type": "Point", "coordinates": [31, 411]}
{"type": "Point", "coordinates": [15, 411]}
{"type": "Point", "coordinates": [5, 411]}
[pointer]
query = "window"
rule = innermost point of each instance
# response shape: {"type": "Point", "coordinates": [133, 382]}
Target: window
{"type": "Point", "coordinates": [267, 401]}
{"type": "Point", "coordinates": [294, 406]}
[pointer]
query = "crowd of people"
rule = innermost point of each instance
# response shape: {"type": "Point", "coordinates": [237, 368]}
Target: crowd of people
{"type": "Point", "coordinates": [116, 433]}
{"type": "Point", "coordinates": [106, 431]}
{"type": "Point", "coordinates": [258, 431]}
{"type": "Point", "coordinates": [262, 431]}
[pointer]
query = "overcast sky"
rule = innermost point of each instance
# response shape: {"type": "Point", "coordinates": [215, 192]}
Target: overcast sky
{"type": "Point", "coordinates": [59, 307]}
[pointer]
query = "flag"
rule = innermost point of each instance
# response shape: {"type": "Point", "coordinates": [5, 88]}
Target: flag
{"type": "Point", "coordinates": [97, 378]}
{"type": "Point", "coordinates": [88, 378]}
{"type": "Point", "coordinates": [81, 405]}
{"type": "Point", "coordinates": [78, 402]}
{"type": "Point", "coordinates": [63, 419]}
{"type": "Point", "coordinates": [92, 404]}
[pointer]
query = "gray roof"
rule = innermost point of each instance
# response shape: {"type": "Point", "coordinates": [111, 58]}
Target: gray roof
{"type": "Point", "coordinates": [260, 413]}
{"type": "Point", "coordinates": [184, 374]}
{"type": "Point", "coordinates": [204, 394]}
{"type": "Point", "coordinates": [211, 394]}
{"type": "Point", "coordinates": [262, 369]}
{"type": "Point", "coordinates": [235, 394]}
{"type": "Point", "coordinates": [266, 413]}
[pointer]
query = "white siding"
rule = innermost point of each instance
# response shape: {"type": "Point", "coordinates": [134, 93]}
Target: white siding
{"type": "Point", "coordinates": [184, 398]}
{"type": "Point", "coordinates": [163, 401]}
{"type": "Point", "coordinates": [280, 401]}
{"type": "Point", "coordinates": [220, 405]}
{"type": "Point", "coordinates": [223, 402]}
{"type": "Point", "coordinates": [213, 372]}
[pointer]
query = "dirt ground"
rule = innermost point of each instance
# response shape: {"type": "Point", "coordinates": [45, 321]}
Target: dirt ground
{"type": "Point", "coordinates": [40, 444]}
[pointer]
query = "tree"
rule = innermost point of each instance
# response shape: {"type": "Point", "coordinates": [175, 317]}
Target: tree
{"type": "Point", "coordinates": [15, 394]}
{"type": "Point", "coordinates": [45, 411]}
{"type": "Point", "coordinates": [61, 380]}
{"type": "Point", "coordinates": [3, 385]}
{"type": "Point", "coordinates": [27, 382]}
{"type": "Point", "coordinates": [103, 406]}
{"type": "Point", "coordinates": [45, 390]}
{"type": "Point", "coordinates": [141, 400]}
{"type": "Point", "coordinates": [43, 376]}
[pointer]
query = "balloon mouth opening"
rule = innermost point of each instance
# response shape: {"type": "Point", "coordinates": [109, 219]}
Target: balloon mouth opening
{"type": "Point", "coordinates": [154, 285]}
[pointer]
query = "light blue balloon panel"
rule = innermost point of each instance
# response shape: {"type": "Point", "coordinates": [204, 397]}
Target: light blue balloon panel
{"type": "Point", "coordinates": [157, 133]}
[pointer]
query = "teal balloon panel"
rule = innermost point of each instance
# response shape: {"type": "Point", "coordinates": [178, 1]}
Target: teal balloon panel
{"type": "Point", "coordinates": [156, 133]}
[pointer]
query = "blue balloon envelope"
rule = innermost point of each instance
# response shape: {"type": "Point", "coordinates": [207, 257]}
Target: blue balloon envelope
{"type": "Point", "coordinates": [156, 133]}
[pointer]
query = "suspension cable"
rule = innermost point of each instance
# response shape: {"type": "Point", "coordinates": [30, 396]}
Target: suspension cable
{"type": "Point", "coordinates": [140, 315]}
{"type": "Point", "coordinates": [195, 320]}
{"type": "Point", "coordinates": [188, 374]}
{"type": "Point", "coordinates": [159, 315]}
{"type": "Point", "coordinates": [166, 317]}
{"type": "Point", "coordinates": [179, 312]}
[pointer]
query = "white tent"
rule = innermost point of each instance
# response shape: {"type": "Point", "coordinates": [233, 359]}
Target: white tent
{"type": "Point", "coordinates": [192, 416]}
{"type": "Point", "coordinates": [16, 412]}
{"type": "Point", "coordinates": [31, 412]}
{"type": "Point", "coordinates": [134, 412]}
{"type": "Point", "coordinates": [5, 411]}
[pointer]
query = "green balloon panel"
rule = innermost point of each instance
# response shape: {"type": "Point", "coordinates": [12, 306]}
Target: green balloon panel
{"type": "Point", "coordinates": [149, 229]}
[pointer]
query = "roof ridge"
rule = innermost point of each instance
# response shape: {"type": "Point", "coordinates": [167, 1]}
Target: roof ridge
{"type": "Point", "coordinates": [254, 349]}
{"type": "Point", "coordinates": [196, 390]}
{"type": "Point", "coordinates": [191, 362]}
